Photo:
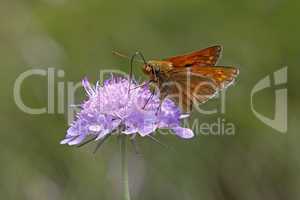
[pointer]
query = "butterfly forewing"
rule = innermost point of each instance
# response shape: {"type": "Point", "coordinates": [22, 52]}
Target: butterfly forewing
{"type": "Point", "coordinates": [204, 57]}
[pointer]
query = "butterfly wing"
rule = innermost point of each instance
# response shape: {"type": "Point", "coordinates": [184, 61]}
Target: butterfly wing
{"type": "Point", "coordinates": [204, 57]}
{"type": "Point", "coordinates": [222, 76]}
{"type": "Point", "coordinates": [196, 84]}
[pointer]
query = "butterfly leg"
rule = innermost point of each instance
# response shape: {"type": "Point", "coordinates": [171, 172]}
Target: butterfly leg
{"type": "Point", "coordinates": [142, 85]}
{"type": "Point", "coordinates": [160, 103]}
{"type": "Point", "coordinates": [148, 100]}
{"type": "Point", "coordinates": [159, 107]}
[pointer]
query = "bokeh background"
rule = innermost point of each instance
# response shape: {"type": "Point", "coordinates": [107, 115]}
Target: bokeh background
{"type": "Point", "coordinates": [257, 162]}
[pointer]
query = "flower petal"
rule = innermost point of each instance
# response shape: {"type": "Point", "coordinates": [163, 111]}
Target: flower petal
{"type": "Point", "coordinates": [147, 129]}
{"type": "Point", "coordinates": [87, 86]}
{"type": "Point", "coordinates": [67, 140]}
{"type": "Point", "coordinates": [184, 115]}
{"type": "Point", "coordinates": [95, 127]}
{"type": "Point", "coordinates": [183, 132]}
{"type": "Point", "coordinates": [77, 140]}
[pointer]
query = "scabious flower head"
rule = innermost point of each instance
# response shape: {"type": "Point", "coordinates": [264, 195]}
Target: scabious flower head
{"type": "Point", "coordinates": [110, 108]}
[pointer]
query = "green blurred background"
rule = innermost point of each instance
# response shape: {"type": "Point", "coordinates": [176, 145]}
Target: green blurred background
{"type": "Point", "coordinates": [257, 162]}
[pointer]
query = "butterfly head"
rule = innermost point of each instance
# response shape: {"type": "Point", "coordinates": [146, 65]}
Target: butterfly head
{"type": "Point", "coordinates": [151, 67]}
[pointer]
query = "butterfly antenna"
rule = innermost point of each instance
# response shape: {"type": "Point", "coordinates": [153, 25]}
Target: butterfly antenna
{"type": "Point", "coordinates": [126, 56]}
{"type": "Point", "coordinates": [142, 56]}
{"type": "Point", "coordinates": [120, 54]}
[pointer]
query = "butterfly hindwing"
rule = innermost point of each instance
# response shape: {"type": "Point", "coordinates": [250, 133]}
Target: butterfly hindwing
{"type": "Point", "coordinates": [186, 87]}
{"type": "Point", "coordinates": [196, 84]}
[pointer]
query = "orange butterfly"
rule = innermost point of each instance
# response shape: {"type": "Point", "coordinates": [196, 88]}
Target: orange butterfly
{"type": "Point", "coordinates": [190, 78]}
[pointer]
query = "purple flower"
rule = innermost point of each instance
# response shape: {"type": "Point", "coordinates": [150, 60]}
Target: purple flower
{"type": "Point", "coordinates": [110, 108]}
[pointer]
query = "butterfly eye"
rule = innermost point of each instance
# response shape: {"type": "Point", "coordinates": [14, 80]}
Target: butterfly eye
{"type": "Point", "coordinates": [147, 68]}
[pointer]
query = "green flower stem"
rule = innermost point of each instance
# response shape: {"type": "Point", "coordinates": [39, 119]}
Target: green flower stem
{"type": "Point", "coordinates": [124, 166]}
